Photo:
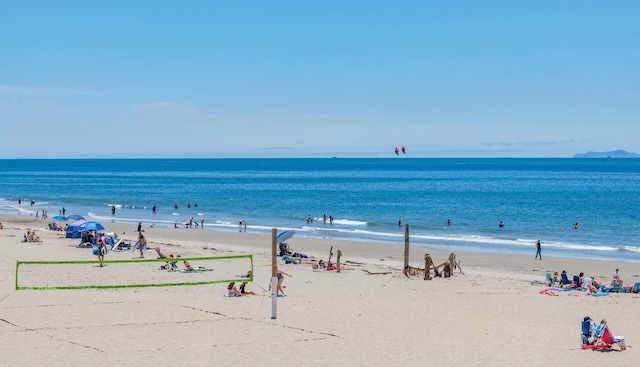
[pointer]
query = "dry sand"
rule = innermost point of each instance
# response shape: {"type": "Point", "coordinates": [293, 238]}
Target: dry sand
{"type": "Point", "coordinates": [489, 316]}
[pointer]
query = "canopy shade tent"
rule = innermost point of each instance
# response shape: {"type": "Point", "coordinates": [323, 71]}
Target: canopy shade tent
{"type": "Point", "coordinates": [73, 229]}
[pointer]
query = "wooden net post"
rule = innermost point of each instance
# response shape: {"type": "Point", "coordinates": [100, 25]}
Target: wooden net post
{"type": "Point", "coordinates": [330, 255]}
{"type": "Point", "coordinates": [338, 260]}
{"type": "Point", "coordinates": [274, 273]}
{"type": "Point", "coordinates": [406, 249]}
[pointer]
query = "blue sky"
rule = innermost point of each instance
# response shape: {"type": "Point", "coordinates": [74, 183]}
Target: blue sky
{"type": "Point", "coordinates": [318, 79]}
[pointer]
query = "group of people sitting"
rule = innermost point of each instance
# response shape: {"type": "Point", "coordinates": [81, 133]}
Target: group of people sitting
{"type": "Point", "coordinates": [588, 284]}
{"type": "Point", "coordinates": [172, 263]}
{"type": "Point", "coordinates": [321, 265]}
{"type": "Point", "coordinates": [233, 291]}
{"type": "Point", "coordinates": [56, 227]}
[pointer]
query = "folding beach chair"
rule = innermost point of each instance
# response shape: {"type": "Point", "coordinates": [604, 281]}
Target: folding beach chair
{"type": "Point", "coordinates": [605, 339]}
{"type": "Point", "coordinates": [565, 279]}
{"type": "Point", "coordinates": [587, 332]}
{"type": "Point", "coordinates": [576, 280]}
{"type": "Point", "coordinates": [617, 286]}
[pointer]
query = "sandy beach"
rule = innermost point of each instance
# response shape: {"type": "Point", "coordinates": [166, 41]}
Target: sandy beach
{"type": "Point", "coordinates": [367, 315]}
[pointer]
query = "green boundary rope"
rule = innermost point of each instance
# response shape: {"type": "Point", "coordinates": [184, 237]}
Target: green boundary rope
{"type": "Point", "coordinates": [237, 279]}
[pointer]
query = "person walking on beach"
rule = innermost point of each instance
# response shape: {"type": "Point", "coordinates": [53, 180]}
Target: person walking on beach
{"type": "Point", "coordinates": [142, 245]}
{"type": "Point", "coordinates": [538, 250]}
{"type": "Point", "coordinates": [280, 281]}
{"type": "Point", "coordinates": [100, 249]}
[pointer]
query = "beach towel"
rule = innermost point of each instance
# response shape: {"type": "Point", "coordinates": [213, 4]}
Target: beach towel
{"type": "Point", "coordinates": [548, 292]}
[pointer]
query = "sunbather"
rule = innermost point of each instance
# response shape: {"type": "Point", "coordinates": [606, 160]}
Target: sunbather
{"type": "Point", "coordinates": [160, 254]}
{"type": "Point", "coordinates": [187, 266]}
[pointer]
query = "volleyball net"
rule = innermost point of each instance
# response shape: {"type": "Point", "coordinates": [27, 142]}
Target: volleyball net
{"type": "Point", "coordinates": [133, 273]}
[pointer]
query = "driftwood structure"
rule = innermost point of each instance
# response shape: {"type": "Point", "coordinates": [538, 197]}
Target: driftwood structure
{"type": "Point", "coordinates": [443, 270]}
{"type": "Point", "coordinates": [431, 270]}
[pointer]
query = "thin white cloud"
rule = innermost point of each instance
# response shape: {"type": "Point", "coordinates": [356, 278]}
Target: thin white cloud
{"type": "Point", "coordinates": [18, 90]}
{"type": "Point", "coordinates": [534, 143]}
{"type": "Point", "coordinates": [166, 106]}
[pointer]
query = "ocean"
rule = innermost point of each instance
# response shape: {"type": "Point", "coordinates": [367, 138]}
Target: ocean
{"type": "Point", "coordinates": [534, 198]}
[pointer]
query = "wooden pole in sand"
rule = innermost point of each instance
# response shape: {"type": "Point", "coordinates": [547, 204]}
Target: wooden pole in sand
{"type": "Point", "coordinates": [406, 249]}
{"type": "Point", "coordinates": [274, 273]}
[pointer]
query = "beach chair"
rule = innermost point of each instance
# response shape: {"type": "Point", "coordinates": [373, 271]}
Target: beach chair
{"type": "Point", "coordinates": [636, 288]}
{"type": "Point", "coordinates": [617, 287]}
{"type": "Point", "coordinates": [565, 279]}
{"type": "Point", "coordinates": [605, 339]}
{"type": "Point", "coordinates": [576, 280]}
{"type": "Point", "coordinates": [587, 332]}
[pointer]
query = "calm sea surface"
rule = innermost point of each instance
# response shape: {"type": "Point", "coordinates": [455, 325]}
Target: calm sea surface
{"type": "Point", "coordinates": [535, 198]}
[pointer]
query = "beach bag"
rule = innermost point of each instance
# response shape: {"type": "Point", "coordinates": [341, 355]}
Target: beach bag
{"type": "Point", "coordinates": [636, 288]}
{"type": "Point", "coordinates": [96, 250]}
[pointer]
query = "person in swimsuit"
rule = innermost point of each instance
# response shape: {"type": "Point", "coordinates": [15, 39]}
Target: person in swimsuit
{"type": "Point", "coordinates": [142, 245]}
{"type": "Point", "coordinates": [280, 281]}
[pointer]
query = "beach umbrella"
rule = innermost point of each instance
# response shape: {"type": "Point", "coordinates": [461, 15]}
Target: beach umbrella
{"type": "Point", "coordinates": [91, 226]}
{"type": "Point", "coordinates": [76, 217]}
{"type": "Point", "coordinates": [284, 236]}
{"type": "Point", "coordinates": [77, 223]}
{"type": "Point", "coordinates": [60, 217]}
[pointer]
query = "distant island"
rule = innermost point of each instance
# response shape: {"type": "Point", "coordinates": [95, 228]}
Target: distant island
{"type": "Point", "coordinates": [611, 154]}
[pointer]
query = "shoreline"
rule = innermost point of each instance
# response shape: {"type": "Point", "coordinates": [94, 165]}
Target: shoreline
{"type": "Point", "coordinates": [369, 252]}
{"type": "Point", "coordinates": [440, 246]}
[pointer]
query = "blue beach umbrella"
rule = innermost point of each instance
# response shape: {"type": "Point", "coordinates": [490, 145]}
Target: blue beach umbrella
{"type": "Point", "coordinates": [91, 226]}
{"type": "Point", "coordinates": [75, 217]}
{"type": "Point", "coordinates": [284, 236]}
{"type": "Point", "coordinates": [60, 217]}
